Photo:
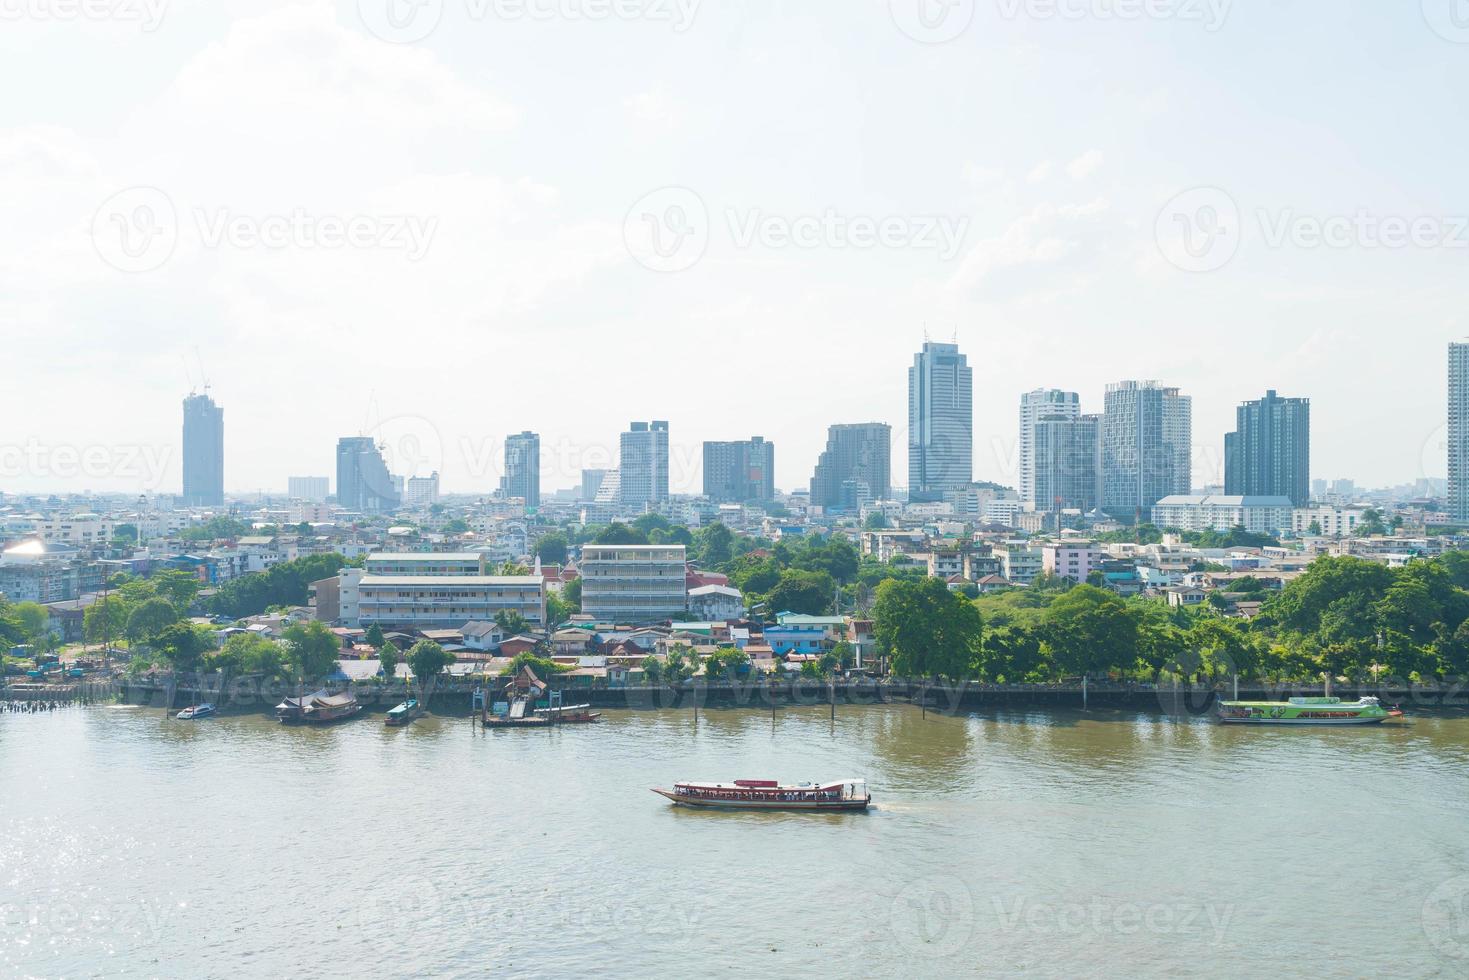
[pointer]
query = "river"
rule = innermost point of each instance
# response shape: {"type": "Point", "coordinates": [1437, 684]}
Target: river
{"type": "Point", "coordinates": [1052, 843]}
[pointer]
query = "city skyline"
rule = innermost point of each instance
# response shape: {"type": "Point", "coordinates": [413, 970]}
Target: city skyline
{"type": "Point", "coordinates": [1058, 279]}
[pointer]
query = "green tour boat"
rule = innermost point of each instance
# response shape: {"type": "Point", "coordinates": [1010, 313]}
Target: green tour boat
{"type": "Point", "coordinates": [1306, 711]}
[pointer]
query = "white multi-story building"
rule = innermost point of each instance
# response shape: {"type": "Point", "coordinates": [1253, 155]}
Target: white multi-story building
{"type": "Point", "coordinates": [426, 563]}
{"type": "Point", "coordinates": [313, 488]}
{"type": "Point", "coordinates": [633, 583]}
{"type": "Point", "coordinates": [421, 491]}
{"type": "Point", "coordinates": [447, 601]}
{"type": "Point", "coordinates": [1004, 512]}
{"type": "Point", "coordinates": [1193, 512]}
{"type": "Point", "coordinates": [1019, 562]}
{"type": "Point", "coordinates": [1331, 522]}
{"type": "Point", "coordinates": [716, 603]}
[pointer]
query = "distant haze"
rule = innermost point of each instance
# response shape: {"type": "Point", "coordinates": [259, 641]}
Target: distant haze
{"type": "Point", "coordinates": [737, 217]}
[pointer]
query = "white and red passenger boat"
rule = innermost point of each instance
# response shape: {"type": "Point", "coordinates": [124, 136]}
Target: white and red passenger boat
{"type": "Point", "coordinates": [767, 794]}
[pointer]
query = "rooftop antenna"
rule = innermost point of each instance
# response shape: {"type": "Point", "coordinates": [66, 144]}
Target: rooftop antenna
{"type": "Point", "coordinates": [203, 378]}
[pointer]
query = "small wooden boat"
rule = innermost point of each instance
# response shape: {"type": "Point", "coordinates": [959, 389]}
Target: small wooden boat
{"type": "Point", "coordinates": [194, 711]}
{"type": "Point", "coordinates": [403, 714]}
{"type": "Point", "coordinates": [767, 794]}
{"type": "Point", "coordinates": [317, 709]}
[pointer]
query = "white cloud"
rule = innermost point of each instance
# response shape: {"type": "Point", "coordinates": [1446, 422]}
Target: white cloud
{"type": "Point", "coordinates": [1085, 165]}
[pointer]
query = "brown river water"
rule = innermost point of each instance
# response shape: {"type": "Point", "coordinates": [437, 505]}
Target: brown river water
{"type": "Point", "coordinates": [1006, 842]}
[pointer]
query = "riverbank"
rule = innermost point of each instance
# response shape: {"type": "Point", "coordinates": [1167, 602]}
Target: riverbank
{"type": "Point", "coordinates": [457, 694]}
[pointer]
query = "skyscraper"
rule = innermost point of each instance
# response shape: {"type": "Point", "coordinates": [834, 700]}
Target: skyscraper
{"type": "Point", "coordinates": [591, 482]}
{"type": "Point", "coordinates": [858, 456]}
{"type": "Point", "coordinates": [1043, 403]}
{"type": "Point", "coordinates": [1146, 447]}
{"type": "Point", "coordinates": [203, 452]}
{"type": "Point", "coordinates": [940, 422]}
{"type": "Point", "coordinates": [1458, 432]}
{"type": "Point", "coordinates": [523, 468]}
{"type": "Point", "coordinates": [1269, 453]}
{"type": "Point", "coordinates": [643, 464]}
{"type": "Point", "coordinates": [1066, 463]}
{"type": "Point", "coordinates": [363, 481]}
{"type": "Point", "coordinates": [735, 472]}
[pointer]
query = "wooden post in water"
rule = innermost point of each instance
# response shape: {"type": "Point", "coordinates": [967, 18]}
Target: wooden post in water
{"type": "Point", "coordinates": [1236, 687]}
{"type": "Point", "coordinates": [1083, 692]}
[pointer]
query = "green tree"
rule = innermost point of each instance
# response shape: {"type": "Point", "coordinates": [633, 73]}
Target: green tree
{"type": "Point", "coordinates": [178, 587]}
{"type": "Point", "coordinates": [34, 619]}
{"type": "Point", "coordinates": [619, 533]}
{"type": "Point", "coordinates": [551, 548]}
{"type": "Point", "coordinates": [374, 637]}
{"type": "Point", "coordinates": [876, 521]}
{"type": "Point", "coordinates": [388, 659]}
{"type": "Point", "coordinates": [801, 592]}
{"type": "Point", "coordinates": [180, 646]}
{"type": "Point", "coordinates": [926, 629]}
{"type": "Point", "coordinates": [714, 545]}
{"type": "Point", "coordinates": [312, 650]}
{"type": "Point", "coordinates": [284, 584]}
{"type": "Point", "coordinates": [1371, 523]}
{"type": "Point", "coordinates": [427, 660]}
{"type": "Point", "coordinates": [558, 610]}
{"type": "Point", "coordinates": [248, 654]}
{"type": "Point", "coordinates": [1011, 654]}
{"type": "Point", "coordinates": [652, 670]}
{"type": "Point", "coordinates": [457, 525]}
{"type": "Point", "coordinates": [726, 662]}
{"type": "Point", "coordinates": [571, 593]}
{"type": "Point", "coordinates": [512, 622]}
{"type": "Point", "coordinates": [1090, 630]}
{"type": "Point", "coordinates": [149, 618]}
{"type": "Point", "coordinates": [105, 619]}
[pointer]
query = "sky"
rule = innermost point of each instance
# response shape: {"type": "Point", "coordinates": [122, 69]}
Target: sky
{"type": "Point", "coordinates": [443, 221]}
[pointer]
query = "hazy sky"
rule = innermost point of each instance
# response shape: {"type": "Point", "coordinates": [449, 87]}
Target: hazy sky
{"type": "Point", "coordinates": [448, 220]}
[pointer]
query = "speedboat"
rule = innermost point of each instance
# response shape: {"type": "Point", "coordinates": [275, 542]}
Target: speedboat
{"type": "Point", "coordinates": [197, 711]}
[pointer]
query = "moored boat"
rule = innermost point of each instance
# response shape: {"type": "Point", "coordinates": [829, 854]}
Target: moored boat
{"type": "Point", "coordinates": [1306, 711]}
{"type": "Point", "coordinates": [768, 794]}
{"type": "Point", "coordinates": [403, 713]}
{"type": "Point", "coordinates": [317, 709]}
{"type": "Point", "coordinates": [196, 711]}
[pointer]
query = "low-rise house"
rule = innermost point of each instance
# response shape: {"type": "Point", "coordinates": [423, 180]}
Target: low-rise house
{"type": "Point", "coordinates": [719, 603]}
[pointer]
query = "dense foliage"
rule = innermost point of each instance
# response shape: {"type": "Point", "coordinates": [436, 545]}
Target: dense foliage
{"type": "Point", "coordinates": [283, 584]}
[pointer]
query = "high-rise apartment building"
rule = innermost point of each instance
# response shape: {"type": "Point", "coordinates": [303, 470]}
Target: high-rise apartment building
{"type": "Point", "coordinates": [643, 464]}
{"type": "Point", "coordinates": [1066, 463]}
{"type": "Point", "coordinates": [858, 456]}
{"type": "Point", "coordinates": [421, 491]}
{"type": "Point", "coordinates": [523, 468]}
{"type": "Point", "coordinates": [315, 488]}
{"type": "Point", "coordinates": [940, 422]}
{"type": "Point", "coordinates": [736, 472]}
{"type": "Point", "coordinates": [591, 482]}
{"type": "Point", "coordinates": [363, 481]}
{"type": "Point", "coordinates": [1269, 453]}
{"type": "Point", "coordinates": [1146, 448]}
{"type": "Point", "coordinates": [1458, 490]}
{"type": "Point", "coordinates": [1043, 403]}
{"type": "Point", "coordinates": [203, 452]}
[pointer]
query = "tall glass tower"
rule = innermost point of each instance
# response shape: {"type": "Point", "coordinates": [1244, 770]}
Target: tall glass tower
{"type": "Point", "coordinates": [203, 452]}
{"type": "Point", "coordinates": [940, 422]}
